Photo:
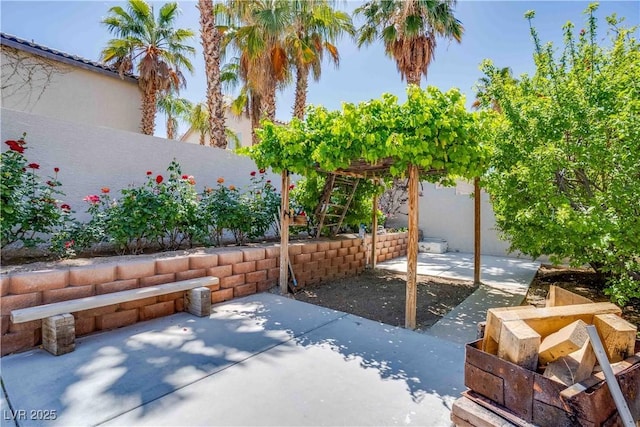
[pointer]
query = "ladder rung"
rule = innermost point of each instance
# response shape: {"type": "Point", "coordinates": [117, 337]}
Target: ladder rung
{"type": "Point", "coordinates": [330, 225]}
{"type": "Point", "coordinates": [331, 214]}
{"type": "Point", "coordinates": [333, 205]}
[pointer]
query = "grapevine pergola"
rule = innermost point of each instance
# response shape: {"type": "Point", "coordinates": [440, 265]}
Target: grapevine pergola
{"type": "Point", "coordinates": [430, 137]}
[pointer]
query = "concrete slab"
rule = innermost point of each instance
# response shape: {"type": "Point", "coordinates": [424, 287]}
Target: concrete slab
{"type": "Point", "coordinates": [505, 282]}
{"type": "Point", "coordinates": [260, 360]}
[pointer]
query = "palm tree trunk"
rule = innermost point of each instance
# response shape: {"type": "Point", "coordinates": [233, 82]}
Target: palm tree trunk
{"type": "Point", "coordinates": [302, 83]}
{"type": "Point", "coordinates": [171, 131]}
{"type": "Point", "coordinates": [413, 78]}
{"type": "Point", "coordinates": [201, 138]}
{"type": "Point", "coordinates": [269, 102]}
{"type": "Point", "coordinates": [256, 114]}
{"type": "Point", "coordinates": [148, 111]}
{"type": "Point", "coordinates": [211, 41]}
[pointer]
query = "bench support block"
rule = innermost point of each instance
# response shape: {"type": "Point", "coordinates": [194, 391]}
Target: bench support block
{"type": "Point", "coordinates": [59, 334]}
{"type": "Point", "coordinates": [198, 301]}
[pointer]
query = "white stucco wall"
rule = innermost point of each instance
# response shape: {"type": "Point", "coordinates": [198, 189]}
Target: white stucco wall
{"type": "Point", "coordinates": [72, 94]}
{"type": "Point", "coordinates": [240, 125]}
{"type": "Point", "coordinates": [91, 157]}
{"type": "Point", "coordinates": [447, 213]}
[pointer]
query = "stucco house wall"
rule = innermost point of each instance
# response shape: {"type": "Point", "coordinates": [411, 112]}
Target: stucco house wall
{"type": "Point", "coordinates": [39, 80]}
{"type": "Point", "coordinates": [447, 213]}
{"type": "Point", "coordinates": [240, 125]}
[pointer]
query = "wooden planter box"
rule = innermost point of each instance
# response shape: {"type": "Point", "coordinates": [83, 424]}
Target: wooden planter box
{"type": "Point", "coordinates": [535, 399]}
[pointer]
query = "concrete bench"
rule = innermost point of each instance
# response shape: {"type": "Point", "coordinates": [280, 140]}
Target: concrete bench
{"type": "Point", "coordinates": [58, 325]}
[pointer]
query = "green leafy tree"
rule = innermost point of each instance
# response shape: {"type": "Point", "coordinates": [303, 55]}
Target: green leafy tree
{"type": "Point", "coordinates": [175, 109]}
{"type": "Point", "coordinates": [152, 47]}
{"type": "Point", "coordinates": [565, 170]}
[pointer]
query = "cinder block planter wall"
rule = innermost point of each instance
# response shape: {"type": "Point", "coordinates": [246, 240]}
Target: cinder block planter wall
{"type": "Point", "coordinates": [242, 271]}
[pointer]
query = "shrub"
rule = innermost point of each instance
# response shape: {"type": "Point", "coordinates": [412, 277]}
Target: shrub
{"type": "Point", "coordinates": [30, 211]}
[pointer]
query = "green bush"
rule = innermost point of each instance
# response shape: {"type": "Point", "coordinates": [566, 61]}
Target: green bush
{"type": "Point", "coordinates": [565, 170]}
{"type": "Point", "coordinates": [30, 211]}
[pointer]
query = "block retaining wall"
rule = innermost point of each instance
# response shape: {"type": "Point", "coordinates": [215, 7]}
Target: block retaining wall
{"type": "Point", "coordinates": [242, 271]}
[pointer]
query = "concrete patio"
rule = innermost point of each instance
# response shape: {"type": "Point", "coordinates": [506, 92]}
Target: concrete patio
{"type": "Point", "coordinates": [258, 360]}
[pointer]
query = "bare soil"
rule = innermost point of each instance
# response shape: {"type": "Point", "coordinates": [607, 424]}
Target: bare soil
{"type": "Point", "coordinates": [380, 295]}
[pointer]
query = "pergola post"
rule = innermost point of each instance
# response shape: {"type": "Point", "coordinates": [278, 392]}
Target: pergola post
{"type": "Point", "coordinates": [412, 250]}
{"type": "Point", "coordinates": [374, 231]}
{"type": "Point", "coordinates": [476, 238]}
{"type": "Point", "coordinates": [284, 233]}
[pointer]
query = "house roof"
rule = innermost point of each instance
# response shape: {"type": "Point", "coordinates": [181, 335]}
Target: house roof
{"type": "Point", "coordinates": [56, 55]}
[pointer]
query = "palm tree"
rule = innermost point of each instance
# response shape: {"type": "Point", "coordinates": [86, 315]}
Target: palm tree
{"type": "Point", "coordinates": [212, 43]}
{"type": "Point", "coordinates": [175, 108]}
{"type": "Point", "coordinates": [408, 29]}
{"type": "Point", "coordinates": [154, 48]}
{"type": "Point", "coordinates": [199, 120]}
{"type": "Point", "coordinates": [315, 27]}
{"type": "Point", "coordinates": [257, 36]}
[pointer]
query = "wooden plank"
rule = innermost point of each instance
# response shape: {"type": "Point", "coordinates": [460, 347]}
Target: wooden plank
{"type": "Point", "coordinates": [574, 367]}
{"type": "Point", "coordinates": [412, 251]}
{"type": "Point", "coordinates": [476, 228]}
{"type": "Point", "coordinates": [558, 297]}
{"type": "Point", "coordinates": [499, 410]}
{"type": "Point", "coordinates": [374, 231]}
{"type": "Point", "coordinates": [614, 387]}
{"type": "Point", "coordinates": [284, 233]}
{"type": "Point", "coordinates": [617, 335]}
{"type": "Point", "coordinates": [546, 320]}
{"type": "Point", "coordinates": [517, 382]}
{"type": "Point", "coordinates": [519, 344]}
{"type": "Point", "coordinates": [567, 340]}
{"type": "Point", "coordinates": [493, 325]}
{"type": "Point", "coordinates": [466, 412]}
{"type": "Point", "coordinates": [87, 303]}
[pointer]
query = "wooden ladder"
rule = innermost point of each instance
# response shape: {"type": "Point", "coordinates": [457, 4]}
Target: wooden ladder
{"type": "Point", "coordinates": [331, 210]}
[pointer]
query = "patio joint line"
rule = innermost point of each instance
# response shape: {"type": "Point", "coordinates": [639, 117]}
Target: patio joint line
{"type": "Point", "coordinates": [224, 368]}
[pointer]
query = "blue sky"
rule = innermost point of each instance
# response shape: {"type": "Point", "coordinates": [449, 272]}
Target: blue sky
{"type": "Point", "coordinates": [494, 30]}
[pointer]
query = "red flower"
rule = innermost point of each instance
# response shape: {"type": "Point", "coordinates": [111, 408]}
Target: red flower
{"type": "Point", "coordinates": [15, 146]}
{"type": "Point", "coordinates": [67, 245]}
{"type": "Point", "coordinates": [303, 214]}
{"type": "Point", "coordinates": [149, 172]}
{"type": "Point", "coordinates": [268, 181]}
{"type": "Point", "coordinates": [65, 207]}
{"type": "Point", "coordinates": [51, 184]}
{"type": "Point", "coordinates": [262, 170]}
{"type": "Point", "coordinates": [105, 190]}
{"type": "Point", "coordinates": [253, 173]}
{"type": "Point", "coordinates": [92, 198]}
{"type": "Point", "coordinates": [185, 177]}
{"type": "Point", "coordinates": [159, 179]}
{"type": "Point", "coordinates": [34, 166]}
{"type": "Point", "coordinates": [582, 32]}
{"type": "Point", "coordinates": [291, 187]}
{"type": "Point", "coordinates": [56, 170]}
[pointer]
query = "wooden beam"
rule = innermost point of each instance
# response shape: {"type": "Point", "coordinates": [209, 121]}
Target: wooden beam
{"type": "Point", "coordinates": [574, 367]}
{"type": "Point", "coordinates": [558, 297]}
{"type": "Point", "coordinates": [284, 233]}
{"type": "Point", "coordinates": [559, 344]}
{"type": "Point", "coordinates": [412, 250]}
{"type": "Point", "coordinates": [617, 335]}
{"type": "Point", "coordinates": [476, 238]}
{"type": "Point", "coordinates": [519, 344]}
{"type": "Point", "coordinates": [547, 320]}
{"type": "Point", "coordinates": [374, 230]}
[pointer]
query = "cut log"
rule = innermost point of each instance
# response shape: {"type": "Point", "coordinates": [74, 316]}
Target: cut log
{"type": "Point", "coordinates": [559, 297]}
{"type": "Point", "coordinates": [617, 335]}
{"type": "Point", "coordinates": [547, 320]}
{"type": "Point", "coordinates": [493, 324]}
{"type": "Point", "coordinates": [519, 344]}
{"type": "Point", "coordinates": [574, 367]}
{"type": "Point", "coordinates": [567, 340]}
